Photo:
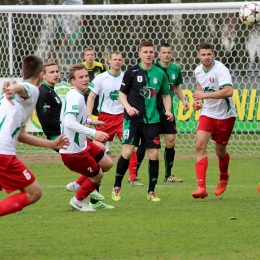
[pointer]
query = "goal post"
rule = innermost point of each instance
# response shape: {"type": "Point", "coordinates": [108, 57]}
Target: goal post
{"type": "Point", "coordinates": [60, 33]}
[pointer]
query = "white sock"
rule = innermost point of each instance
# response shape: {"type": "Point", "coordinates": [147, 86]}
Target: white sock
{"type": "Point", "coordinates": [107, 146]}
{"type": "Point", "coordinates": [76, 185]}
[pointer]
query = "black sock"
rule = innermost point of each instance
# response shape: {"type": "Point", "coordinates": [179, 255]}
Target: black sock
{"type": "Point", "coordinates": [121, 168]}
{"type": "Point", "coordinates": [93, 201]}
{"type": "Point", "coordinates": [153, 170]}
{"type": "Point", "coordinates": [169, 154]}
{"type": "Point", "coordinates": [140, 156]}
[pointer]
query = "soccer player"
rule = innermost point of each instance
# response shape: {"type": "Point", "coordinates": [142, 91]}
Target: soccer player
{"type": "Point", "coordinates": [94, 68]}
{"type": "Point", "coordinates": [138, 94]}
{"type": "Point", "coordinates": [48, 106]}
{"type": "Point", "coordinates": [106, 85]}
{"type": "Point", "coordinates": [168, 128]}
{"type": "Point", "coordinates": [16, 106]}
{"type": "Point", "coordinates": [82, 156]}
{"type": "Point", "coordinates": [217, 118]}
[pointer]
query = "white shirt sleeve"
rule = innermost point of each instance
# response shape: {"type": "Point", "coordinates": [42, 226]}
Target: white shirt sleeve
{"type": "Point", "coordinates": [71, 123]}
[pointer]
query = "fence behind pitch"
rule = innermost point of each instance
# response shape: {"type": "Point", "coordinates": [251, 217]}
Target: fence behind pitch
{"type": "Point", "coordinates": [60, 33]}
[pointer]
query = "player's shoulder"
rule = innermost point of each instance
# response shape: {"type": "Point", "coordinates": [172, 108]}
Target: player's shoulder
{"type": "Point", "coordinates": [29, 87]}
{"type": "Point", "coordinates": [43, 88]}
{"type": "Point", "coordinates": [219, 64]}
{"type": "Point", "coordinates": [101, 76]}
{"type": "Point", "coordinates": [174, 66]}
{"type": "Point", "coordinates": [99, 64]}
{"type": "Point", "coordinates": [157, 69]}
{"type": "Point", "coordinates": [133, 68]}
{"type": "Point", "coordinates": [198, 69]}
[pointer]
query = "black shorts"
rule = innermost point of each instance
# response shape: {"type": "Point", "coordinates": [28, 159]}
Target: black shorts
{"type": "Point", "coordinates": [168, 127]}
{"type": "Point", "coordinates": [149, 134]}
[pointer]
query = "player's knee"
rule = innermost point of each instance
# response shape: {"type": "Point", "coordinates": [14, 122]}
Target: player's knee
{"type": "Point", "coordinates": [98, 177]}
{"type": "Point", "coordinates": [200, 146]}
{"type": "Point", "coordinates": [107, 166]}
{"type": "Point", "coordinates": [35, 195]}
{"type": "Point", "coordinates": [153, 154]}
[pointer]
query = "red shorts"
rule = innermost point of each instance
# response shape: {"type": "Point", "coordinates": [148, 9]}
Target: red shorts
{"type": "Point", "coordinates": [85, 162]}
{"type": "Point", "coordinates": [14, 175]}
{"type": "Point", "coordinates": [114, 125]}
{"type": "Point", "coordinates": [221, 130]}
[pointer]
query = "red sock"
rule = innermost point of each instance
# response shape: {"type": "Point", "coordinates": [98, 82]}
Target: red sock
{"type": "Point", "coordinates": [133, 166]}
{"type": "Point", "coordinates": [81, 179]}
{"type": "Point", "coordinates": [86, 188]}
{"type": "Point", "coordinates": [201, 169]}
{"type": "Point", "coordinates": [14, 203]}
{"type": "Point", "coordinates": [223, 166]}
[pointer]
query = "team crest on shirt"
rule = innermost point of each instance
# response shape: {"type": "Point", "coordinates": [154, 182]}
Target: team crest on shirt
{"type": "Point", "coordinates": [45, 107]}
{"type": "Point", "coordinates": [155, 80]}
{"type": "Point", "coordinates": [114, 95]}
{"type": "Point", "coordinates": [211, 80]}
{"type": "Point", "coordinates": [75, 107]}
{"type": "Point", "coordinates": [148, 92]}
{"type": "Point", "coordinates": [173, 76]}
{"type": "Point", "coordinates": [139, 78]}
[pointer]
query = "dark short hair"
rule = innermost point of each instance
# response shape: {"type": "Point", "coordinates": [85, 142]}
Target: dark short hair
{"type": "Point", "coordinates": [32, 65]}
{"type": "Point", "coordinates": [74, 68]}
{"type": "Point", "coordinates": [205, 46]}
{"type": "Point", "coordinates": [166, 45]}
{"type": "Point", "coordinates": [45, 65]}
{"type": "Point", "coordinates": [145, 44]}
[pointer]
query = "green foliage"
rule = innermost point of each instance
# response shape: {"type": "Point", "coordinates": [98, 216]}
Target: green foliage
{"type": "Point", "coordinates": [178, 227]}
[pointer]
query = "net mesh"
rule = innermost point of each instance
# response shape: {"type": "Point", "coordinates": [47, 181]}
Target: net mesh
{"type": "Point", "coordinates": [62, 36]}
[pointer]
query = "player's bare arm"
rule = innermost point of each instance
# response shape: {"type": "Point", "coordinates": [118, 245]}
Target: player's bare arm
{"type": "Point", "coordinates": [131, 111]}
{"type": "Point", "coordinates": [62, 142]}
{"type": "Point", "coordinates": [197, 103]}
{"type": "Point", "coordinates": [10, 90]}
{"type": "Point", "coordinates": [179, 93]}
{"type": "Point", "coordinates": [99, 123]}
{"type": "Point", "coordinates": [90, 103]}
{"type": "Point", "coordinates": [167, 105]}
{"type": "Point", "coordinates": [227, 91]}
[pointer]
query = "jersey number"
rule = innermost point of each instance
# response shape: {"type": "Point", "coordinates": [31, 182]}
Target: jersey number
{"type": "Point", "coordinates": [27, 174]}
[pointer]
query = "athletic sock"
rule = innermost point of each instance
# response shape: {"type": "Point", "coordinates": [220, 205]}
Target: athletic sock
{"type": "Point", "coordinates": [140, 153]}
{"type": "Point", "coordinates": [121, 169]}
{"type": "Point", "coordinates": [169, 154]}
{"type": "Point", "coordinates": [201, 169]}
{"type": "Point", "coordinates": [153, 171]}
{"type": "Point", "coordinates": [132, 166]}
{"type": "Point", "coordinates": [86, 188]}
{"type": "Point", "coordinates": [14, 203]}
{"type": "Point", "coordinates": [223, 166]}
{"type": "Point", "coordinates": [93, 201]}
{"type": "Point", "coordinates": [80, 181]}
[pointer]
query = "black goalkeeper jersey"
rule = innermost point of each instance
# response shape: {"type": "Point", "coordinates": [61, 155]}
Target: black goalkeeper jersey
{"type": "Point", "coordinates": [142, 87]}
{"type": "Point", "coordinates": [48, 109]}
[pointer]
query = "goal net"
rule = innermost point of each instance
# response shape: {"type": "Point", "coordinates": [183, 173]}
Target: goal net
{"type": "Point", "coordinates": [60, 34]}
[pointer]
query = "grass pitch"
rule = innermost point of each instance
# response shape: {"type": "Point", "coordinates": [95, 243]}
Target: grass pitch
{"type": "Point", "coordinates": [178, 227]}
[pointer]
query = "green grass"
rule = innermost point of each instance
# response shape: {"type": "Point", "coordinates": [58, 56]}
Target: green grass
{"type": "Point", "coordinates": [178, 227]}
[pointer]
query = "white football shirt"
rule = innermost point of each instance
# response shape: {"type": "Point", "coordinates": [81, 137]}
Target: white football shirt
{"type": "Point", "coordinates": [107, 87]}
{"type": "Point", "coordinates": [14, 117]}
{"type": "Point", "coordinates": [211, 81]}
{"type": "Point", "coordinates": [75, 127]}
